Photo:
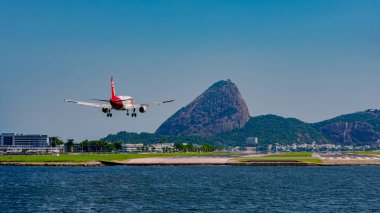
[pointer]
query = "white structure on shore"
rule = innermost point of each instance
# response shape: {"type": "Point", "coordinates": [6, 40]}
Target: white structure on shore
{"type": "Point", "coordinates": [12, 139]}
{"type": "Point", "coordinates": [129, 147]}
{"type": "Point", "coordinates": [29, 144]}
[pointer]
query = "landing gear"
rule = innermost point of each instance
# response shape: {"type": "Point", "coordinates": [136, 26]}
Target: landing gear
{"type": "Point", "coordinates": [134, 113]}
{"type": "Point", "coordinates": [109, 114]}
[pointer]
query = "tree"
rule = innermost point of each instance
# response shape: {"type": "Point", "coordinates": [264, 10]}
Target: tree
{"type": "Point", "coordinates": [207, 148]}
{"type": "Point", "coordinates": [55, 141]}
{"type": "Point", "coordinates": [70, 145]}
{"type": "Point", "coordinates": [189, 147]}
{"type": "Point", "coordinates": [118, 145]}
{"type": "Point", "coordinates": [178, 146]}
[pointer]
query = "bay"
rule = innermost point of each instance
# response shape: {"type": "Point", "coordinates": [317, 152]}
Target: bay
{"type": "Point", "coordinates": [189, 189]}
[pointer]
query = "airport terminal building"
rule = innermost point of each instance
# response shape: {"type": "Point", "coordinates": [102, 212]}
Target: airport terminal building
{"type": "Point", "coordinates": [11, 139]}
{"type": "Point", "coordinates": [11, 143]}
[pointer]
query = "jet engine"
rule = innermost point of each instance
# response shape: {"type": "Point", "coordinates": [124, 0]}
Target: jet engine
{"type": "Point", "coordinates": [105, 110]}
{"type": "Point", "coordinates": [142, 109]}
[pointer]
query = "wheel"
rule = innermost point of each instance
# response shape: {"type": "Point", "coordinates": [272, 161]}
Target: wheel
{"type": "Point", "coordinates": [110, 115]}
{"type": "Point", "coordinates": [127, 114]}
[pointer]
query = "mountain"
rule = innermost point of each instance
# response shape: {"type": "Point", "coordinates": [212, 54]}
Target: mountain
{"type": "Point", "coordinates": [271, 129]}
{"type": "Point", "coordinates": [360, 128]}
{"type": "Point", "coordinates": [219, 116]}
{"type": "Point", "coordinates": [220, 108]}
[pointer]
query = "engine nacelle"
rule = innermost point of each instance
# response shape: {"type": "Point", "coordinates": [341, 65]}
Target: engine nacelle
{"type": "Point", "coordinates": [142, 109]}
{"type": "Point", "coordinates": [105, 110]}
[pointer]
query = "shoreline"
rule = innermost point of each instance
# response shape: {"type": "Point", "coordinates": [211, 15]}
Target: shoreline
{"type": "Point", "coordinates": [69, 164]}
{"type": "Point", "coordinates": [202, 159]}
{"type": "Point", "coordinates": [189, 161]}
{"type": "Point", "coordinates": [103, 164]}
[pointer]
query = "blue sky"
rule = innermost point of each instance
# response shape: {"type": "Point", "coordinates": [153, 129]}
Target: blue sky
{"type": "Point", "coordinates": [311, 60]}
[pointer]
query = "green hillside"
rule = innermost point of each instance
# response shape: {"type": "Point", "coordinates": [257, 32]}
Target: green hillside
{"type": "Point", "coordinates": [271, 129]}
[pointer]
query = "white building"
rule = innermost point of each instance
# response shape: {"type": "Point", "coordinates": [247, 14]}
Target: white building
{"type": "Point", "coordinates": [162, 147]}
{"type": "Point", "coordinates": [129, 147]}
{"type": "Point", "coordinates": [20, 140]}
{"type": "Point", "coordinates": [11, 143]}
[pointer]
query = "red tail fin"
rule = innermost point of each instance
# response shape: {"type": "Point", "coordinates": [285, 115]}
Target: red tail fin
{"type": "Point", "coordinates": [112, 88]}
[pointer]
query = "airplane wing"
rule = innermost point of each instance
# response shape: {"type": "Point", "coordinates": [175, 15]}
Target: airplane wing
{"type": "Point", "coordinates": [90, 104]}
{"type": "Point", "coordinates": [131, 106]}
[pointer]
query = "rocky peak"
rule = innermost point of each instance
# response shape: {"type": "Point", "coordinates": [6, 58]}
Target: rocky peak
{"type": "Point", "coordinates": [360, 128]}
{"type": "Point", "coordinates": [219, 109]}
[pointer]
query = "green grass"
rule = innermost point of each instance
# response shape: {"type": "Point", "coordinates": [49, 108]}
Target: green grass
{"type": "Point", "coordinates": [367, 153]}
{"type": "Point", "coordinates": [291, 154]}
{"type": "Point", "coordinates": [97, 157]}
{"type": "Point", "coordinates": [281, 159]}
{"type": "Point", "coordinates": [305, 157]}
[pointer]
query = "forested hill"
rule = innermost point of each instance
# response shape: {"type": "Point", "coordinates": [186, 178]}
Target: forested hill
{"type": "Point", "coordinates": [270, 129]}
{"type": "Point", "coordinates": [360, 128]}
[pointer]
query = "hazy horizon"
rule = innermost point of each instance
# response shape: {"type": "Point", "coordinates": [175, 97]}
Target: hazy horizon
{"type": "Point", "coordinates": [311, 60]}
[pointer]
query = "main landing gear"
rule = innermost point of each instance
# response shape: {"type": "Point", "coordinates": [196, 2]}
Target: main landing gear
{"type": "Point", "coordinates": [108, 111]}
{"type": "Point", "coordinates": [133, 114]}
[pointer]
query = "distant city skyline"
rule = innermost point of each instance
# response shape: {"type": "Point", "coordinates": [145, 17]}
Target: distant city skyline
{"type": "Point", "coordinates": [312, 60]}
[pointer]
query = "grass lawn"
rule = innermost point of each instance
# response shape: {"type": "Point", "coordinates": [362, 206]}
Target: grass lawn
{"type": "Point", "coordinates": [281, 159]}
{"type": "Point", "coordinates": [305, 157]}
{"type": "Point", "coordinates": [367, 153]}
{"type": "Point", "coordinates": [97, 157]}
{"type": "Point", "coordinates": [292, 154]}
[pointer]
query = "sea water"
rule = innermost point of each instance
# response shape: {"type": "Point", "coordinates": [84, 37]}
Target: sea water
{"type": "Point", "coordinates": [189, 189]}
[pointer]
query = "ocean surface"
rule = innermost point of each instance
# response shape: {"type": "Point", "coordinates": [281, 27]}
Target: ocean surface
{"type": "Point", "coordinates": [189, 189]}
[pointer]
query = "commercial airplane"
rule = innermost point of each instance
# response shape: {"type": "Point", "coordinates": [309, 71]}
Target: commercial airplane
{"type": "Point", "coordinates": [119, 103]}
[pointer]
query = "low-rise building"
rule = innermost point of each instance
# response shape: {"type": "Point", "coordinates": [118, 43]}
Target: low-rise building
{"type": "Point", "coordinates": [250, 149]}
{"type": "Point", "coordinates": [129, 147]}
{"type": "Point", "coordinates": [162, 147]}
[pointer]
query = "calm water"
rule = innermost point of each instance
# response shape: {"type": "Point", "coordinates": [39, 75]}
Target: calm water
{"type": "Point", "coordinates": [189, 189]}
